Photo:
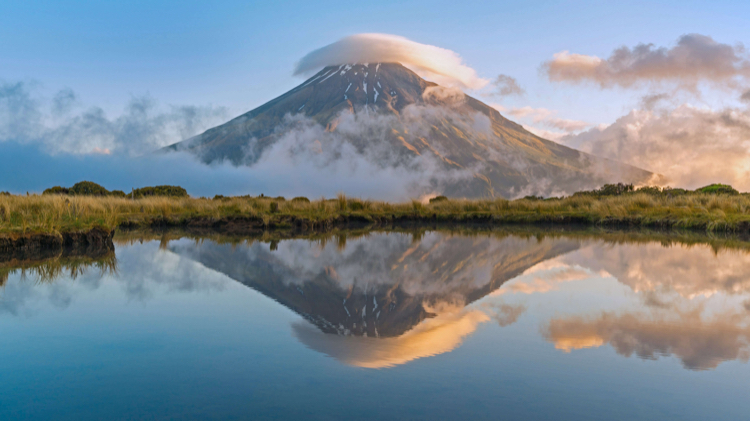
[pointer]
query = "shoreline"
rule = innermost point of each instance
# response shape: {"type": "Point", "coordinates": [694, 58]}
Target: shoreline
{"type": "Point", "coordinates": [99, 241]}
{"type": "Point", "coordinates": [50, 224]}
{"type": "Point", "coordinates": [97, 247]}
{"type": "Point", "coordinates": [39, 246]}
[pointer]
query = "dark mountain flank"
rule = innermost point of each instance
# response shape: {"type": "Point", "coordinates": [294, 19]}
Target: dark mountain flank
{"type": "Point", "coordinates": [475, 151]}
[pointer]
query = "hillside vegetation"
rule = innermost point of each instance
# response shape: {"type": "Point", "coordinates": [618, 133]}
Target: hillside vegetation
{"type": "Point", "coordinates": [709, 209]}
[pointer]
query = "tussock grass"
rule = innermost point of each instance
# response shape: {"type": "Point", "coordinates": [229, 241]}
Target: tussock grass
{"type": "Point", "coordinates": [58, 213]}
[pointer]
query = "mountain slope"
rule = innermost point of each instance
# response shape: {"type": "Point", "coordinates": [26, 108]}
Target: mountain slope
{"type": "Point", "coordinates": [388, 108]}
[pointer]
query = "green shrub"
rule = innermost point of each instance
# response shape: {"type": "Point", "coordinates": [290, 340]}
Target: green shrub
{"type": "Point", "coordinates": [718, 189]}
{"type": "Point", "coordinates": [301, 199]}
{"type": "Point", "coordinates": [218, 197]}
{"type": "Point", "coordinates": [84, 188]}
{"type": "Point", "coordinates": [438, 199]}
{"type": "Point", "coordinates": [87, 188]}
{"type": "Point", "coordinates": [533, 198]}
{"type": "Point", "coordinates": [4, 193]}
{"type": "Point", "coordinates": [169, 191]}
{"type": "Point", "coordinates": [274, 207]}
{"type": "Point", "coordinates": [652, 190]}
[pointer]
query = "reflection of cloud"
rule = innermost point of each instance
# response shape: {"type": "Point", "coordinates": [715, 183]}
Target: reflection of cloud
{"type": "Point", "coordinates": [431, 337]}
{"type": "Point", "coordinates": [505, 314]}
{"type": "Point", "coordinates": [692, 271]}
{"type": "Point", "coordinates": [16, 295]}
{"type": "Point", "coordinates": [700, 343]}
{"type": "Point", "coordinates": [546, 276]}
{"type": "Point", "coordinates": [142, 270]}
{"type": "Point", "coordinates": [147, 270]}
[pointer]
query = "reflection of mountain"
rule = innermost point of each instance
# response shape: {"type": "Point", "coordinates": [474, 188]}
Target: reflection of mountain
{"type": "Point", "coordinates": [382, 285]}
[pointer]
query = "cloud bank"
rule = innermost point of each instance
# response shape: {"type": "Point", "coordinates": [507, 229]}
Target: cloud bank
{"type": "Point", "coordinates": [58, 128]}
{"type": "Point", "coordinates": [65, 144]}
{"type": "Point", "coordinates": [439, 65]}
{"type": "Point", "coordinates": [691, 146]}
{"type": "Point", "coordinates": [695, 58]}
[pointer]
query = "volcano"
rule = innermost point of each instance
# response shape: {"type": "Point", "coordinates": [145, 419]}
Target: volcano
{"type": "Point", "coordinates": [473, 150]}
{"type": "Point", "coordinates": [382, 286]}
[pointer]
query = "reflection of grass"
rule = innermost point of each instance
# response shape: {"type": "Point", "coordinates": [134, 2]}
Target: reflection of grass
{"type": "Point", "coordinates": [341, 237]}
{"type": "Point", "coordinates": [50, 269]}
{"type": "Point", "coordinates": [74, 266]}
{"type": "Point", "coordinates": [56, 213]}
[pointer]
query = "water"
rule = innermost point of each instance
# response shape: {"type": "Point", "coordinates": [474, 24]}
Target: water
{"type": "Point", "coordinates": [382, 326]}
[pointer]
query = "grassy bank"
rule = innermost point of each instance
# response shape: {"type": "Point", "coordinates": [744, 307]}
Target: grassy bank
{"type": "Point", "coordinates": [62, 213]}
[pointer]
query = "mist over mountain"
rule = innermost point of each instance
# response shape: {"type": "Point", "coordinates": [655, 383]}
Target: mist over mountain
{"type": "Point", "coordinates": [386, 116]}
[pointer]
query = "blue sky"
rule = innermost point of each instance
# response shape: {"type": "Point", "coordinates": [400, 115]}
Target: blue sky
{"type": "Point", "coordinates": [240, 54]}
{"type": "Point", "coordinates": [81, 77]}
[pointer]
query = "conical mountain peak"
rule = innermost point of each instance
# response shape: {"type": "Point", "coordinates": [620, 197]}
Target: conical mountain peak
{"type": "Point", "coordinates": [413, 119]}
{"type": "Point", "coordinates": [386, 85]}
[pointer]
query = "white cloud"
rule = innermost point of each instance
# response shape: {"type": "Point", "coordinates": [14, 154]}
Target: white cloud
{"type": "Point", "coordinates": [695, 58]}
{"type": "Point", "coordinates": [549, 119]}
{"type": "Point", "coordinates": [143, 126]}
{"type": "Point", "coordinates": [436, 64]}
{"type": "Point", "coordinates": [506, 85]}
{"type": "Point", "coordinates": [691, 146]}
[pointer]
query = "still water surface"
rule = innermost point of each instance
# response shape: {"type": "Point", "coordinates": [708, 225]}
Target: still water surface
{"type": "Point", "coordinates": [382, 326]}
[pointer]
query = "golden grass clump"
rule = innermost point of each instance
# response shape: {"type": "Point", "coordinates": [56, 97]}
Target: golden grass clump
{"type": "Point", "coordinates": [57, 213]}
